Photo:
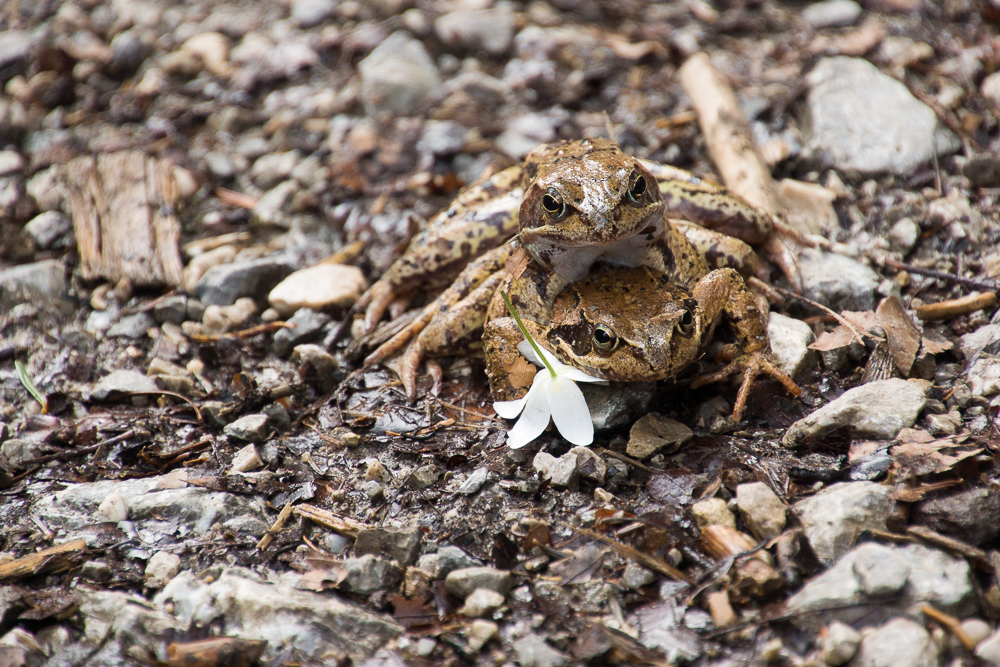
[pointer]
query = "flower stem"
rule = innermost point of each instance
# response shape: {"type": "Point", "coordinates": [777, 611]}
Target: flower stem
{"type": "Point", "coordinates": [520, 325]}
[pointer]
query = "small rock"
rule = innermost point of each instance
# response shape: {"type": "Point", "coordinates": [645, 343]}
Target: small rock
{"type": "Point", "coordinates": [490, 30]}
{"type": "Point", "coordinates": [11, 162]}
{"type": "Point", "coordinates": [426, 646]}
{"type": "Point", "coordinates": [251, 428]}
{"type": "Point", "coordinates": [882, 574]}
{"type": "Point", "coordinates": [374, 490]}
{"type": "Point", "coordinates": [903, 235]}
{"type": "Point", "coordinates": [561, 472]}
{"type": "Point", "coordinates": [41, 282]}
{"type": "Point", "coordinates": [161, 568]}
{"type": "Point", "coordinates": [533, 651]}
{"type": "Point", "coordinates": [424, 477]}
{"type": "Point", "coordinates": [977, 629]}
{"type": "Point", "coordinates": [447, 560]}
{"type": "Point", "coordinates": [831, 14]}
{"type": "Point", "coordinates": [19, 453]}
{"type": "Point", "coordinates": [15, 45]}
{"type": "Point", "coordinates": [840, 643]}
{"type": "Point", "coordinates": [47, 228]}
{"type": "Point", "coordinates": [654, 432]}
{"type": "Point", "coordinates": [273, 207]}
{"type": "Point", "coordinates": [790, 339]}
{"type": "Point", "coordinates": [589, 465]}
{"type": "Point", "coordinates": [121, 382]}
{"type": "Point", "coordinates": [132, 326]}
{"type": "Point", "coordinates": [474, 482]}
{"type": "Point", "coordinates": [114, 508]}
{"type": "Point", "coordinates": [171, 309]}
{"type": "Point", "coordinates": [212, 49]}
{"type": "Point", "coordinates": [273, 168]}
{"type": "Point", "coordinates": [397, 77]}
{"type": "Point", "coordinates": [617, 405]}
{"type": "Point", "coordinates": [479, 633]}
{"type": "Point", "coordinates": [761, 509]}
{"type": "Point", "coordinates": [866, 121]}
{"type": "Point", "coordinates": [983, 171]}
{"type": "Point", "coordinates": [97, 571]}
{"type": "Point", "coordinates": [318, 287]}
{"type": "Point", "coordinates": [310, 13]}
{"type": "Point", "coordinates": [223, 284]}
{"type": "Point", "coordinates": [636, 576]}
{"type": "Point", "coordinates": [246, 459]}
{"type": "Point", "coordinates": [833, 517]}
{"type": "Point", "coordinates": [402, 546]}
{"type": "Point", "coordinates": [46, 188]}
{"type": "Point", "coordinates": [984, 375]}
{"type": "Point", "coordinates": [990, 89]}
{"type": "Point", "coordinates": [712, 512]}
{"type": "Point", "coordinates": [481, 602]}
{"type": "Point", "coordinates": [367, 574]}
{"type": "Point", "coordinates": [220, 319]}
{"type": "Point", "coordinates": [716, 416]}
{"type": "Point", "coordinates": [877, 410]}
{"type": "Point", "coordinates": [321, 361]}
{"type": "Point", "coordinates": [461, 583]}
{"type": "Point", "coordinates": [989, 648]}
{"type": "Point", "coordinates": [972, 515]}
{"type": "Point", "coordinates": [308, 324]}
{"type": "Point", "coordinates": [899, 643]}
{"type": "Point", "coordinates": [836, 281]}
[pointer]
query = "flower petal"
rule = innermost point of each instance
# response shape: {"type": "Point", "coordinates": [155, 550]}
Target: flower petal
{"type": "Point", "coordinates": [576, 375]}
{"type": "Point", "coordinates": [510, 409]}
{"type": "Point", "coordinates": [535, 417]}
{"type": "Point", "coordinates": [570, 411]}
{"type": "Point", "coordinates": [528, 352]}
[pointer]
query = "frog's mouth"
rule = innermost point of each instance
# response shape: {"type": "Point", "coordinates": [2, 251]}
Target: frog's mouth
{"type": "Point", "coordinates": [573, 262]}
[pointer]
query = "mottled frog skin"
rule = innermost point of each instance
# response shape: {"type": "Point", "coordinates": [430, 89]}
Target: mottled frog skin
{"type": "Point", "coordinates": [536, 228]}
{"type": "Point", "coordinates": [633, 324]}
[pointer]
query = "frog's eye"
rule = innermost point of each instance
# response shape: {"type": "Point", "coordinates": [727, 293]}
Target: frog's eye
{"type": "Point", "coordinates": [553, 202]}
{"type": "Point", "coordinates": [637, 188]}
{"type": "Point", "coordinates": [685, 325]}
{"type": "Point", "coordinates": [605, 339]}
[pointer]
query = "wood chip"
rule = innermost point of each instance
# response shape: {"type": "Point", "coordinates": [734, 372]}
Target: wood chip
{"type": "Point", "coordinates": [346, 527]}
{"type": "Point", "coordinates": [58, 558]}
{"type": "Point", "coordinates": [275, 528]}
{"type": "Point", "coordinates": [944, 310]}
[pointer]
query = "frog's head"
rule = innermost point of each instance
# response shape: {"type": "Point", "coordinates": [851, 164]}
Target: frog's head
{"type": "Point", "coordinates": [626, 325]}
{"type": "Point", "coordinates": [587, 199]}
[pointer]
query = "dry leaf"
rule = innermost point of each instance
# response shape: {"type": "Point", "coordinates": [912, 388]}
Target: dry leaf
{"type": "Point", "coordinates": [520, 372]}
{"type": "Point", "coordinates": [926, 458]}
{"type": "Point", "coordinates": [933, 343]}
{"type": "Point", "coordinates": [581, 566]}
{"type": "Point", "coordinates": [863, 320]}
{"type": "Point", "coordinates": [412, 613]}
{"type": "Point", "coordinates": [831, 340]}
{"type": "Point", "coordinates": [518, 262]}
{"type": "Point", "coordinates": [902, 335]}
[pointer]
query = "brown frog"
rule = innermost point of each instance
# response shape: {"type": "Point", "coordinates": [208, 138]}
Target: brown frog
{"type": "Point", "coordinates": [631, 324]}
{"type": "Point", "coordinates": [572, 204]}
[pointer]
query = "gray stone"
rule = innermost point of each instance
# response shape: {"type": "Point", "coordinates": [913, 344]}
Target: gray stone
{"type": "Point", "coordinates": [368, 574]}
{"type": "Point", "coordinates": [441, 138]}
{"type": "Point", "coordinates": [461, 583]}
{"type": "Point", "coordinates": [867, 121]}
{"type": "Point", "coordinates": [310, 13]}
{"type": "Point", "coordinates": [397, 77]}
{"type": "Point", "coordinates": [561, 472]}
{"type": "Point", "coordinates": [96, 570]}
{"type": "Point", "coordinates": [121, 382]}
{"type": "Point", "coordinates": [532, 651]}
{"type": "Point", "coordinates": [877, 410]}
{"type": "Point", "coordinates": [424, 477]}
{"type": "Point", "coordinates": [269, 170]}
{"type": "Point", "coordinates": [839, 644]}
{"type": "Point", "coordinates": [47, 228]}
{"type": "Point", "coordinates": [836, 281]}
{"type": "Point", "coordinates": [114, 507]}
{"type": "Point", "coordinates": [989, 649]}
{"type": "Point", "coordinates": [984, 375]}
{"type": "Point", "coordinates": [833, 517]}
{"type": "Point", "coordinates": [589, 465]}
{"type": "Point", "coordinates": [317, 625]}
{"type": "Point", "coordinates": [977, 629]}
{"type": "Point", "coordinates": [972, 515]}
{"type": "Point", "coordinates": [653, 432]}
{"type": "Point", "coordinates": [402, 545]}
{"type": "Point", "coordinates": [132, 326]}
{"type": "Point", "coordinates": [616, 405]}
{"type": "Point", "coordinates": [790, 339]}
{"type": "Point", "coordinates": [990, 88]}
{"type": "Point", "coordinates": [636, 576]}
{"type": "Point", "coordinates": [11, 162]}
{"type": "Point", "coordinates": [880, 574]}
{"type": "Point", "coordinates": [984, 339]}
{"type": "Point", "coordinates": [481, 602]}
{"type": "Point", "coordinates": [761, 509]}
{"type": "Point", "coordinates": [251, 428]}
{"type": "Point", "coordinates": [46, 188]}
{"type": "Point", "coordinates": [161, 568]}
{"type": "Point", "coordinates": [272, 208]}
{"type": "Point", "coordinates": [171, 309]}
{"type": "Point", "coordinates": [223, 284]}
{"type": "Point", "coordinates": [114, 623]}
{"type": "Point", "coordinates": [42, 283]}
{"type": "Point", "coordinates": [129, 49]}
{"type": "Point", "coordinates": [837, 594]}
{"type": "Point", "coordinates": [474, 482]}
{"type": "Point", "coordinates": [903, 235]}
{"type": "Point", "coordinates": [15, 45]}
{"type": "Point", "coordinates": [374, 490]}
{"type": "Point", "coordinates": [221, 165]}
{"type": "Point", "coordinates": [490, 30]}
{"type": "Point", "coordinates": [831, 14]}
{"type": "Point", "coordinates": [447, 560]}
{"type": "Point", "coordinates": [308, 324]}
{"type": "Point", "coordinates": [19, 453]}
{"type": "Point", "coordinates": [899, 643]}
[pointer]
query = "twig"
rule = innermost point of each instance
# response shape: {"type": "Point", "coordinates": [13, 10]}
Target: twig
{"type": "Point", "coordinates": [628, 460]}
{"type": "Point", "coordinates": [54, 559]}
{"type": "Point", "coordinates": [245, 333]}
{"type": "Point", "coordinates": [644, 559]}
{"type": "Point", "coordinates": [943, 310]}
{"type": "Point", "coordinates": [276, 527]}
{"type": "Point", "coordinates": [941, 275]}
{"type": "Point", "coordinates": [952, 624]}
{"type": "Point", "coordinates": [858, 336]}
{"type": "Point", "coordinates": [346, 527]}
{"type": "Point", "coordinates": [950, 543]}
{"type": "Point", "coordinates": [234, 198]}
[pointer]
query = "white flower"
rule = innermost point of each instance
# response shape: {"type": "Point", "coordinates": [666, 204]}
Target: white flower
{"type": "Point", "coordinates": [556, 397]}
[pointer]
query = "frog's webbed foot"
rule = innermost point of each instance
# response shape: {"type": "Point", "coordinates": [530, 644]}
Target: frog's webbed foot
{"type": "Point", "coordinates": [751, 366]}
{"type": "Point", "coordinates": [375, 302]}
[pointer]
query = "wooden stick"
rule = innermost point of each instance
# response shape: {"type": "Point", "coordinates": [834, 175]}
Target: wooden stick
{"type": "Point", "coordinates": [988, 285]}
{"type": "Point", "coordinates": [346, 527]}
{"type": "Point", "coordinates": [943, 310]}
{"type": "Point", "coordinates": [54, 559]}
{"type": "Point", "coordinates": [275, 528]}
{"type": "Point", "coordinates": [952, 624]}
{"type": "Point", "coordinates": [644, 559]}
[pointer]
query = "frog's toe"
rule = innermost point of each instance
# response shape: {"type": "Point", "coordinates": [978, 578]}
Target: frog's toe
{"type": "Point", "coordinates": [777, 252]}
{"type": "Point", "coordinates": [398, 306]}
{"type": "Point", "coordinates": [409, 369]}
{"type": "Point", "coordinates": [375, 302]}
{"type": "Point", "coordinates": [750, 366]}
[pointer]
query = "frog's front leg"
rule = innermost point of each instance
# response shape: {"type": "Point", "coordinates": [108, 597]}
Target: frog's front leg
{"type": "Point", "coordinates": [723, 292]}
{"type": "Point", "coordinates": [482, 218]}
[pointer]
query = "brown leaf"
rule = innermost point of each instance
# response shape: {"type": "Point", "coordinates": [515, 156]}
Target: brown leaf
{"type": "Point", "coordinates": [831, 340]}
{"type": "Point", "coordinates": [322, 578]}
{"type": "Point", "coordinates": [581, 566]}
{"type": "Point", "coordinates": [538, 534]}
{"type": "Point", "coordinates": [412, 613]}
{"type": "Point", "coordinates": [903, 336]}
{"type": "Point", "coordinates": [864, 320]}
{"type": "Point", "coordinates": [934, 343]}
{"type": "Point", "coordinates": [518, 262]}
{"type": "Point", "coordinates": [927, 458]}
{"type": "Point", "coordinates": [215, 652]}
{"type": "Point", "coordinates": [520, 372]}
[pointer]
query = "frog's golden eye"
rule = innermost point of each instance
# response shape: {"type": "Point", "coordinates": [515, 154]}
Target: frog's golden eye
{"type": "Point", "coordinates": [685, 325]}
{"type": "Point", "coordinates": [553, 202]}
{"type": "Point", "coordinates": [638, 187]}
{"type": "Point", "coordinates": [605, 339]}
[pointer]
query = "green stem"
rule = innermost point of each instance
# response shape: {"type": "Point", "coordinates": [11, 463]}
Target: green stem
{"type": "Point", "coordinates": [520, 325]}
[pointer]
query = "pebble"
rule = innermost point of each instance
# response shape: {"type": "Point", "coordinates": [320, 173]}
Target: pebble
{"type": "Point", "coordinates": [840, 643]}
{"type": "Point", "coordinates": [132, 326]}
{"type": "Point", "coordinates": [316, 356]}
{"type": "Point", "coordinates": [40, 282]}
{"type": "Point", "coordinates": [479, 633]}
{"type": "Point", "coordinates": [903, 235]}
{"type": "Point", "coordinates": [474, 482]}
{"type": "Point", "coordinates": [250, 428]}
{"type": "Point", "coordinates": [876, 410]}
{"type": "Point", "coordinates": [270, 169]}
{"type": "Point", "coordinates": [46, 188]}
{"type": "Point", "coordinates": [15, 45]}
{"type": "Point", "coordinates": [880, 574]}
{"type": "Point", "coordinates": [977, 629]}
{"type": "Point", "coordinates": [212, 48]}
{"type": "Point", "coordinates": [636, 576]}
{"type": "Point", "coordinates": [561, 472]}
{"type": "Point", "coordinates": [397, 77]}
{"type": "Point", "coordinates": [899, 643]}
{"type": "Point", "coordinates": [611, 407]}
{"type": "Point", "coordinates": [220, 319]}
{"type": "Point", "coordinates": [161, 568]}
{"type": "Point", "coordinates": [490, 30]}
{"type": "Point", "coordinates": [199, 264]}
{"type": "Point", "coordinates": [310, 13]}
{"type": "Point", "coordinates": [836, 281]}
{"type": "Point", "coordinates": [462, 582]}
{"type": "Point", "coordinates": [983, 375]}
{"type": "Point", "coordinates": [712, 512]}
{"type": "Point", "coordinates": [654, 432]}
{"type": "Point", "coordinates": [47, 228]}
{"type": "Point", "coordinates": [989, 649]}
{"type": "Point", "coordinates": [971, 515]}
{"type": "Point", "coordinates": [866, 121]}
{"type": "Point", "coordinates": [318, 287]}
{"type": "Point", "coordinates": [589, 465]}
{"type": "Point", "coordinates": [114, 508]}
{"type": "Point", "coordinates": [223, 284]}
{"type": "Point", "coordinates": [374, 490]}
{"type": "Point", "coordinates": [96, 570]}
{"type": "Point", "coordinates": [533, 651]}
{"type": "Point", "coordinates": [367, 574]}
{"type": "Point", "coordinates": [171, 309]}
{"type": "Point", "coordinates": [424, 477]}
{"type": "Point", "coordinates": [308, 325]}
{"type": "Point", "coordinates": [990, 89]}
{"type": "Point", "coordinates": [761, 509]}
{"type": "Point", "coordinates": [401, 545]}
{"type": "Point", "coordinates": [982, 171]}
{"type": "Point", "coordinates": [833, 517]}
{"type": "Point", "coordinates": [11, 162]}
{"type": "Point", "coordinates": [481, 602]}
{"type": "Point", "coordinates": [121, 382]}
{"type": "Point", "coordinates": [831, 14]}
{"type": "Point", "coordinates": [790, 339]}
{"type": "Point", "coordinates": [445, 561]}
{"type": "Point", "coordinates": [273, 208]}
{"type": "Point", "coordinates": [246, 459]}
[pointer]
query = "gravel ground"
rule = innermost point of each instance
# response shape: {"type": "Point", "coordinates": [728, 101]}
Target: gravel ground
{"type": "Point", "coordinates": [205, 486]}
